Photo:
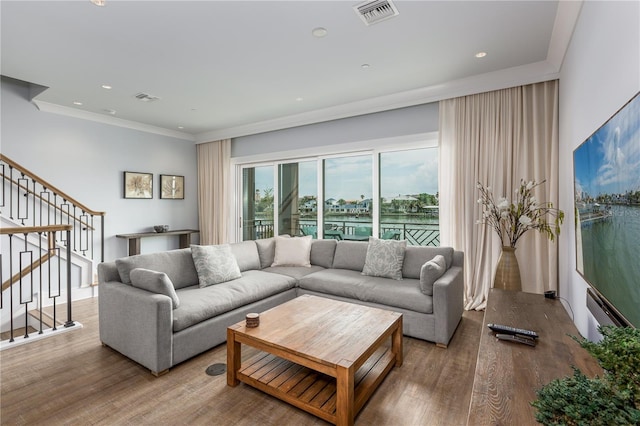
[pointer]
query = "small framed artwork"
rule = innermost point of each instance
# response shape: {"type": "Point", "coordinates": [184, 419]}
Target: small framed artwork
{"type": "Point", "coordinates": [138, 185]}
{"type": "Point", "coordinates": [172, 187]}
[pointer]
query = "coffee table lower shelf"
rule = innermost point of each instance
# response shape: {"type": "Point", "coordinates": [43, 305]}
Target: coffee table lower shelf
{"type": "Point", "coordinates": [310, 390]}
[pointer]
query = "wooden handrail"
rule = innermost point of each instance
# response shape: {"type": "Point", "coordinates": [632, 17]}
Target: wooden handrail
{"type": "Point", "coordinates": [46, 184]}
{"type": "Point", "coordinates": [31, 229]}
{"type": "Point", "coordinates": [52, 205]}
{"type": "Point", "coordinates": [28, 230]}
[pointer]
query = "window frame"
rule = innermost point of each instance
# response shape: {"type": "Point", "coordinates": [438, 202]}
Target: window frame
{"type": "Point", "coordinates": [319, 154]}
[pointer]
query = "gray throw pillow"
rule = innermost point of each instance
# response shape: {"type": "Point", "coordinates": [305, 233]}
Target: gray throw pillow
{"type": "Point", "coordinates": [215, 264]}
{"type": "Point", "coordinates": [155, 282]}
{"type": "Point", "coordinates": [430, 272]}
{"type": "Point", "coordinates": [384, 258]}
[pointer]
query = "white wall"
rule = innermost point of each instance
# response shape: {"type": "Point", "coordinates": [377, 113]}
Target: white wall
{"type": "Point", "coordinates": [86, 160]}
{"type": "Point", "coordinates": [388, 124]}
{"type": "Point", "coordinates": [600, 73]}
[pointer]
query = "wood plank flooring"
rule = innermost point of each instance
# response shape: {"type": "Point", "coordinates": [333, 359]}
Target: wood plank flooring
{"type": "Point", "coordinates": [71, 379]}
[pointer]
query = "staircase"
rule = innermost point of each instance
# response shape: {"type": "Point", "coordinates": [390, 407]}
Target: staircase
{"type": "Point", "coordinates": [51, 244]}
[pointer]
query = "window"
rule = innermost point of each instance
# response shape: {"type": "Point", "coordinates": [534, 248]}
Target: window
{"type": "Point", "coordinates": [348, 193]}
{"type": "Point", "coordinates": [390, 194]}
{"type": "Point", "coordinates": [297, 198]}
{"type": "Point", "coordinates": [257, 202]}
{"type": "Point", "coordinates": [409, 196]}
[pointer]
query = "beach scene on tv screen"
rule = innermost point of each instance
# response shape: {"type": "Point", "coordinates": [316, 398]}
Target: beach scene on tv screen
{"type": "Point", "coordinates": [607, 201]}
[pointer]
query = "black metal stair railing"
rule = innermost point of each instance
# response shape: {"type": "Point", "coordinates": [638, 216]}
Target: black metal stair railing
{"type": "Point", "coordinates": [40, 270]}
{"type": "Point", "coordinates": [32, 201]}
{"type": "Point", "coordinates": [47, 227]}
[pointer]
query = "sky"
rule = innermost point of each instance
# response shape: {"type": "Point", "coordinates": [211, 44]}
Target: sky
{"type": "Point", "coordinates": [402, 172]}
{"type": "Point", "coordinates": [608, 162]}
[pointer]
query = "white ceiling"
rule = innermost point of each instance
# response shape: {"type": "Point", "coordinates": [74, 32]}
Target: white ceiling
{"type": "Point", "coordinates": [227, 68]}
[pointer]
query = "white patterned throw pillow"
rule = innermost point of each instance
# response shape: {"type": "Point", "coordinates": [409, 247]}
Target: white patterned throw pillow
{"type": "Point", "coordinates": [215, 264]}
{"type": "Point", "coordinates": [384, 258]}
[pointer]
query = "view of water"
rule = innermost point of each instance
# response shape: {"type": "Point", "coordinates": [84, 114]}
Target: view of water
{"type": "Point", "coordinates": [610, 250]}
{"type": "Point", "coordinates": [350, 220]}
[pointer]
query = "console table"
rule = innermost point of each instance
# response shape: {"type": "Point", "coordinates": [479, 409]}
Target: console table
{"type": "Point", "coordinates": [134, 239]}
{"type": "Point", "coordinates": [509, 374]}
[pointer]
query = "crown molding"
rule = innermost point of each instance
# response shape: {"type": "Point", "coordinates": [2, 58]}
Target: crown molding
{"type": "Point", "coordinates": [501, 79]}
{"type": "Point", "coordinates": [113, 121]}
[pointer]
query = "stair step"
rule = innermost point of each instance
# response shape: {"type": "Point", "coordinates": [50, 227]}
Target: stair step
{"type": "Point", "coordinates": [18, 332]}
{"type": "Point", "coordinates": [47, 319]}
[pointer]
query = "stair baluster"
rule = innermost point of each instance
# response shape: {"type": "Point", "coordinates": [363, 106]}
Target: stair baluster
{"type": "Point", "coordinates": [43, 211]}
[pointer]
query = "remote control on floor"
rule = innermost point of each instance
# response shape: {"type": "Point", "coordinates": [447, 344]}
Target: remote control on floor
{"type": "Point", "coordinates": [505, 329]}
{"type": "Point", "coordinates": [517, 338]}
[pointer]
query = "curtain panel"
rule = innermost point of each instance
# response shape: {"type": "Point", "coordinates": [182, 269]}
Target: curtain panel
{"type": "Point", "coordinates": [214, 164]}
{"type": "Point", "coordinates": [497, 138]}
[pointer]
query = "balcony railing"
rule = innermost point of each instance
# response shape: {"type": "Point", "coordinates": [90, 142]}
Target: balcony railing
{"type": "Point", "coordinates": [419, 234]}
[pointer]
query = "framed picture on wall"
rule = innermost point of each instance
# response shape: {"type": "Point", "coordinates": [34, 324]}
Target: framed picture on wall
{"type": "Point", "coordinates": [138, 185]}
{"type": "Point", "coordinates": [172, 187]}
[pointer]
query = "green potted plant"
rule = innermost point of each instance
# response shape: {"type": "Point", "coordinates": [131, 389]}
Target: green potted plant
{"type": "Point", "coordinates": [613, 399]}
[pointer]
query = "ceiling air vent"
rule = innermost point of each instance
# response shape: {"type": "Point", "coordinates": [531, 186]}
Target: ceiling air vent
{"type": "Point", "coordinates": [375, 11]}
{"type": "Point", "coordinates": [145, 97]}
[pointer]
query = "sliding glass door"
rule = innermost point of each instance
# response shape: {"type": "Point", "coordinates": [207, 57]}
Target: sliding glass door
{"type": "Point", "coordinates": [297, 198]}
{"type": "Point", "coordinates": [386, 194]}
{"type": "Point", "coordinates": [257, 202]}
{"type": "Point", "coordinates": [409, 196]}
{"type": "Point", "coordinates": [348, 190]}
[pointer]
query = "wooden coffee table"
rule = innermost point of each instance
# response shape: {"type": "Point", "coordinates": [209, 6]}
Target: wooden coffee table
{"type": "Point", "coordinates": [321, 355]}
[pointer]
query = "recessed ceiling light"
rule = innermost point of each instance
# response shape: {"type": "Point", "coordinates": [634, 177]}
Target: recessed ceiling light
{"type": "Point", "coordinates": [106, 86]}
{"type": "Point", "coordinates": [481, 54]}
{"type": "Point", "coordinates": [299, 99]}
{"type": "Point", "coordinates": [77, 103]}
{"type": "Point", "coordinates": [99, 2]}
{"type": "Point", "coordinates": [180, 127]}
{"type": "Point", "coordinates": [110, 111]}
{"type": "Point", "coordinates": [319, 32]}
{"type": "Point", "coordinates": [365, 66]}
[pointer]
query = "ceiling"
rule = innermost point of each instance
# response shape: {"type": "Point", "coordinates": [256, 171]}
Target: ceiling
{"type": "Point", "coordinates": [227, 68]}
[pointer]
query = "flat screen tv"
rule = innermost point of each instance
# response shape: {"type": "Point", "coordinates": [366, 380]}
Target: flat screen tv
{"type": "Point", "coordinates": [607, 206]}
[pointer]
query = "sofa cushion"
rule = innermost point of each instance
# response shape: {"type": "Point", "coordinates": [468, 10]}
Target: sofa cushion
{"type": "Point", "coordinates": [345, 283]}
{"type": "Point", "coordinates": [199, 304]}
{"type": "Point", "coordinates": [296, 272]}
{"type": "Point", "coordinates": [266, 250]}
{"type": "Point", "coordinates": [215, 264]}
{"type": "Point", "coordinates": [322, 252]}
{"type": "Point", "coordinates": [350, 255]}
{"type": "Point", "coordinates": [430, 272]}
{"type": "Point", "coordinates": [155, 282]}
{"type": "Point", "coordinates": [416, 256]}
{"type": "Point", "coordinates": [177, 264]}
{"type": "Point", "coordinates": [384, 258]}
{"type": "Point", "coordinates": [292, 251]}
{"type": "Point", "coordinates": [246, 253]}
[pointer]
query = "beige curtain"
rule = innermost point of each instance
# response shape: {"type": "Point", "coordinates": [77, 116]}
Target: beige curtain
{"type": "Point", "coordinates": [214, 164]}
{"type": "Point", "coordinates": [498, 138]}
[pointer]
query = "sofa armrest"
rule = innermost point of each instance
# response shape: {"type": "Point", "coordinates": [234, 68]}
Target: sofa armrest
{"type": "Point", "coordinates": [137, 323]}
{"type": "Point", "coordinates": [448, 304]}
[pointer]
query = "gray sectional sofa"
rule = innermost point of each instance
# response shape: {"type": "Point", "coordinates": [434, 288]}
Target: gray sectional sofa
{"type": "Point", "coordinates": [161, 330]}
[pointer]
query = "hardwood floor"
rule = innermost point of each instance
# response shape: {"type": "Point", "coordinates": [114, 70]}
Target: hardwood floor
{"type": "Point", "coordinates": [72, 379]}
